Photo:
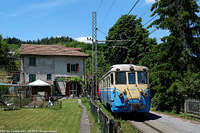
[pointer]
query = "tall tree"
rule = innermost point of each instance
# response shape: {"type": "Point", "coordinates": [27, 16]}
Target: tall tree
{"type": "Point", "coordinates": [128, 27]}
{"type": "Point", "coordinates": [181, 19]}
{"type": "Point", "coordinates": [175, 58]}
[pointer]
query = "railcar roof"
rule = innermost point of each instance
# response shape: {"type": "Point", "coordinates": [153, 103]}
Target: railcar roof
{"type": "Point", "coordinates": [125, 67]}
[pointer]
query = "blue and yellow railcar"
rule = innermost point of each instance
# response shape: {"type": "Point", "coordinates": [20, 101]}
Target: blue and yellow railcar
{"type": "Point", "coordinates": [125, 88]}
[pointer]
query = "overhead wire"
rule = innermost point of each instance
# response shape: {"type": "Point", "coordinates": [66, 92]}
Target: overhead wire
{"type": "Point", "coordinates": [101, 31]}
{"type": "Point", "coordinates": [143, 15]}
{"type": "Point", "coordinates": [131, 10]}
{"type": "Point", "coordinates": [99, 6]}
{"type": "Point", "coordinates": [107, 13]}
{"type": "Point", "coordinates": [133, 7]}
{"type": "Point", "coordinates": [110, 10]}
{"type": "Point", "coordinates": [153, 31]}
{"type": "Point", "coordinates": [127, 14]}
{"type": "Point", "coordinates": [145, 12]}
{"type": "Point", "coordinates": [150, 20]}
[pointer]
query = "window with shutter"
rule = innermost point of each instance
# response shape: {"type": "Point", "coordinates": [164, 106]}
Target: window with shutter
{"type": "Point", "coordinates": [48, 76]}
{"type": "Point", "coordinates": [77, 68]}
{"type": "Point", "coordinates": [73, 67]}
{"type": "Point", "coordinates": [67, 89]}
{"type": "Point", "coordinates": [68, 67]}
{"type": "Point", "coordinates": [32, 77]}
{"type": "Point", "coordinates": [32, 61]}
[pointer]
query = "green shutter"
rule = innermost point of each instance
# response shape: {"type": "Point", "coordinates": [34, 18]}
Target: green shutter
{"type": "Point", "coordinates": [32, 78]}
{"type": "Point", "coordinates": [32, 61]}
{"type": "Point", "coordinates": [48, 76]}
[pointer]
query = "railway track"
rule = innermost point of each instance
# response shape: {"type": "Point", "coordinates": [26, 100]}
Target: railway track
{"type": "Point", "coordinates": [144, 127]}
{"type": "Point", "coordinates": [161, 123]}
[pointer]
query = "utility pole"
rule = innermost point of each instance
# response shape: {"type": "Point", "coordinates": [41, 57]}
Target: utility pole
{"type": "Point", "coordinates": [94, 57]}
{"type": "Point", "coordinates": [94, 54]}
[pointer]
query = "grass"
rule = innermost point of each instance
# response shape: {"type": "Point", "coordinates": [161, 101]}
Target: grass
{"type": "Point", "coordinates": [189, 116]}
{"type": "Point", "coordinates": [63, 120]}
{"type": "Point", "coordinates": [127, 127]}
{"type": "Point", "coordinates": [106, 111]}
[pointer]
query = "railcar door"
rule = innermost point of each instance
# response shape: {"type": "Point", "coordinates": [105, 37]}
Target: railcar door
{"type": "Point", "coordinates": [109, 90]}
{"type": "Point", "coordinates": [132, 91]}
{"type": "Point", "coordinates": [142, 80]}
{"type": "Point", "coordinates": [143, 85]}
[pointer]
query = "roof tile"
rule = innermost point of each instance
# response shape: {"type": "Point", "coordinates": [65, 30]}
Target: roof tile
{"type": "Point", "coordinates": [30, 49]}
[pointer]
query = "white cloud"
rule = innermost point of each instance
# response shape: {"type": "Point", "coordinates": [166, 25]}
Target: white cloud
{"type": "Point", "coordinates": [50, 4]}
{"type": "Point", "coordinates": [58, 36]}
{"type": "Point", "coordinates": [83, 39]}
{"type": "Point", "coordinates": [149, 1]}
{"type": "Point", "coordinates": [1, 13]}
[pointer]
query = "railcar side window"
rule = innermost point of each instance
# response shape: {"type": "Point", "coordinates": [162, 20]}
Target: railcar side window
{"type": "Point", "coordinates": [120, 77]}
{"type": "Point", "coordinates": [142, 77]}
{"type": "Point", "coordinates": [131, 78]}
{"type": "Point", "coordinates": [106, 82]}
{"type": "Point", "coordinates": [111, 79]}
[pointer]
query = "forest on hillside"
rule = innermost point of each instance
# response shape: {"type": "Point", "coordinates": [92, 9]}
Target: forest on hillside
{"type": "Point", "coordinates": [174, 64]}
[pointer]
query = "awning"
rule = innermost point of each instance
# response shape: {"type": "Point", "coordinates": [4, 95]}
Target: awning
{"type": "Point", "coordinates": [39, 83]}
{"type": "Point", "coordinates": [8, 84]}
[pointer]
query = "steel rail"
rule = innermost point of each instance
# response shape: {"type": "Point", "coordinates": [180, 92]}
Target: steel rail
{"type": "Point", "coordinates": [141, 126]}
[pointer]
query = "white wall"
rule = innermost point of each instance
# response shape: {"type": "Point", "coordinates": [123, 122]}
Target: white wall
{"type": "Point", "coordinates": [54, 65]}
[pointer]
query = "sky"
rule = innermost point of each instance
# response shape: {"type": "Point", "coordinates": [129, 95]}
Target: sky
{"type": "Point", "coordinates": [37, 19]}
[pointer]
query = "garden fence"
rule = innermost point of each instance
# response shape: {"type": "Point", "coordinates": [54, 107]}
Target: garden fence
{"type": "Point", "coordinates": [14, 97]}
{"type": "Point", "coordinates": [192, 106]}
{"type": "Point", "coordinates": [107, 124]}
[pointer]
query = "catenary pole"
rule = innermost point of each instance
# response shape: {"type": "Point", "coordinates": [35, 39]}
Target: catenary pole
{"type": "Point", "coordinates": [94, 57]}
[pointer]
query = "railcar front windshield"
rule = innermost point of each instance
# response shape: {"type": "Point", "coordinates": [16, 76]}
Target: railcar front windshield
{"type": "Point", "coordinates": [131, 78]}
{"type": "Point", "coordinates": [120, 77]}
{"type": "Point", "coordinates": [142, 77]}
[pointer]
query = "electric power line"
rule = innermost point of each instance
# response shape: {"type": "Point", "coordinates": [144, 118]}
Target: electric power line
{"type": "Point", "coordinates": [97, 12]}
{"type": "Point", "coordinates": [145, 13]}
{"type": "Point", "coordinates": [145, 24]}
{"type": "Point", "coordinates": [107, 13]}
{"type": "Point", "coordinates": [133, 7]}
{"type": "Point", "coordinates": [99, 6]}
{"type": "Point", "coordinates": [153, 31]}
{"type": "Point", "coordinates": [149, 20]}
{"type": "Point", "coordinates": [101, 31]}
{"type": "Point", "coordinates": [130, 12]}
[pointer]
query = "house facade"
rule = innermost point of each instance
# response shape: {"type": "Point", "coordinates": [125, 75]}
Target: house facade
{"type": "Point", "coordinates": [50, 63]}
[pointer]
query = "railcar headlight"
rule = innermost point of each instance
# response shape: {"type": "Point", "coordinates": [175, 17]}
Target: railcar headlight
{"type": "Point", "coordinates": [120, 94]}
{"type": "Point", "coordinates": [145, 94]}
{"type": "Point", "coordinates": [132, 68]}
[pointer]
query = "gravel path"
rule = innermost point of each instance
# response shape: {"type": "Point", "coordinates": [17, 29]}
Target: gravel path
{"type": "Point", "coordinates": [168, 124]}
{"type": "Point", "coordinates": [173, 124]}
{"type": "Point", "coordinates": [85, 125]}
